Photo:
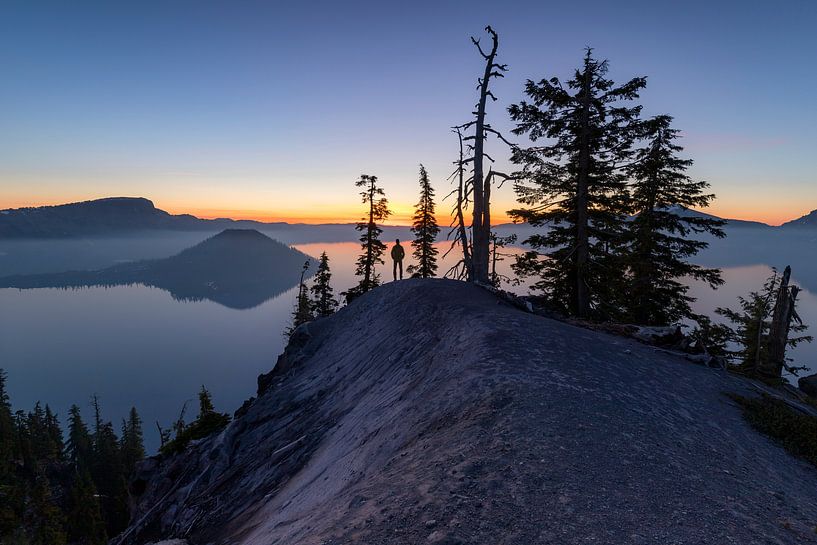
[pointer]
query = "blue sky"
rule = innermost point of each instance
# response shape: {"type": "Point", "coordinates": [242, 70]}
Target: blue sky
{"type": "Point", "coordinates": [272, 110]}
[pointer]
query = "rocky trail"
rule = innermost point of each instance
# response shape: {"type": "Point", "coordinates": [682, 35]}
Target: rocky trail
{"type": "Point", "coordinates": [429, 411]}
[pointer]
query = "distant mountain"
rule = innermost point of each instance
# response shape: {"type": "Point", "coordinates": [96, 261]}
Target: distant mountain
{"type": "Point", "coordinates": [103, 216]}
{"type": "Point", "coordinates": [683, 211]}
{"type": "Point", "coordinates": [116, 216]}
{"type": "Point", "coordinates": [238, 268]}
{"type": "Point", "coordinates": [808, 221]}
{"type": "Point", "coordinates": [524, 230]}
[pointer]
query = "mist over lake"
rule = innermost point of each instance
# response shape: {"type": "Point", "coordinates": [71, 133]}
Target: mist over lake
{"type": "Point", "coordinates": [138, 346]}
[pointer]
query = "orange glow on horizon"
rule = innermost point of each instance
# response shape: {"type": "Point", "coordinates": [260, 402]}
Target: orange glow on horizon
{"type": "Point", "coordinates": [401, 213]}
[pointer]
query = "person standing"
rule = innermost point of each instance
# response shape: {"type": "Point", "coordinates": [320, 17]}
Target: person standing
{"type": "Point", "coordinates": [397, 254]}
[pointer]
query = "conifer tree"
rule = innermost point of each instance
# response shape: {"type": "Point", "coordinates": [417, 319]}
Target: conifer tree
{"type": "Point", "coordinates": [108, 472]}
{"type": "Point", "coordinates": [6, 428]}
{"type": "Point", "coordinates": [574, 184]}
{"type": "Point", "coordinates": [373, 248]}
{"type": "Point", "coordinates": [79, 444]}
{"type": "Point", "coordinates": [44, 518]}
{"type": "Point", "coordinates": [323, 299]}
{"type": "Point", "coordinates": [750, 325]}
{"type": "Point", "coordinates": [11, 497]}
{"type": "Point", "coordinates": [303, 310]}
{"type": "Point", "coordinates": [660, 237]}
{"type": "Point", "coordinates": [84, 518]}
{"type": "Point", "coordinates": [425, 231]}
{"type": "Point", "coordinates": [132, 441]}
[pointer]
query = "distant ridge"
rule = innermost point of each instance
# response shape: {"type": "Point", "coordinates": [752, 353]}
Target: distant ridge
{"type": "Point", "coordinates": [238, 268]}
{"type": "Point", "coordinates": [104, 216]}
{"type": "Point", "coordinates": [809, 220]}
{"type": "Point", "coordinates": [120, 215]}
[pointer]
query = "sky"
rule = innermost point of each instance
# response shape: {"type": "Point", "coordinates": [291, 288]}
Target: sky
{"type": "Point", "coordinates": [272, 110]}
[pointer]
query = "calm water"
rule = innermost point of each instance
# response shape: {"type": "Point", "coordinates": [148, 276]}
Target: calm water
{"type": "Point", "coordinates": [136, 346]}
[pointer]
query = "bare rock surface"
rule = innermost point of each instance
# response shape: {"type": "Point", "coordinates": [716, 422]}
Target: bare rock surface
{"type": "Point", "coordinates": [429, 411]}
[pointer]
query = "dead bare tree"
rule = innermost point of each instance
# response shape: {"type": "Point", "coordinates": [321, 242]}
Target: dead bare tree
{"type": "Point", "coordinates": [480, 181]}
{"type": "Point", "coordinates": [463, 269]}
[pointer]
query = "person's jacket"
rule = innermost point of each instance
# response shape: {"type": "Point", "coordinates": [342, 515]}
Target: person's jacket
{"type": "Point", "coordinates": [397, 252]}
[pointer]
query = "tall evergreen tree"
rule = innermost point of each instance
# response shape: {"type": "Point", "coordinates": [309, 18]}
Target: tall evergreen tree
{"type": "Point", "coordinates": [84, 518]}
{"type": "Point", "coordinates": [303, 310]}
{"type": "Point", "coordinates": [108, 472]}
{"type": "Point", "coordinates": [323, 299]}
{"type": "Point", "coordinates": [575, 185]}
{"type": "Point", "coordinates": [11, 490]}
{"type": "Point", "coordinates": [79, 444]}
{"type": "Point", "coordinates": [425, 231]}
{"type": "Point", "coordinates": [378, 210]}
{"type": "Point", "coordinates": [7, 435]}
{"type": "Point", "coordinates": [658, 239]}
{"type": "Point", "coordinates": [132, 443]}
{"type": "Point", "coordinates": [44, 518]}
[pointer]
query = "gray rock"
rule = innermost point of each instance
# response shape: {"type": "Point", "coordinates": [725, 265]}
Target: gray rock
{"type": "Point", "coordinates": [427, 399]}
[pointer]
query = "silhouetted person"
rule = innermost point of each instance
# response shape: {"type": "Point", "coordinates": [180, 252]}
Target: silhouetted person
{"type": "Point", "coordinates": [397, 254]}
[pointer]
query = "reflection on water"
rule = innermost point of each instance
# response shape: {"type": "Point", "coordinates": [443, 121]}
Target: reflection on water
{"type": "Point", "coordinates": [134, 346]}
{"type": "Point", "coordinates": [137, 346]}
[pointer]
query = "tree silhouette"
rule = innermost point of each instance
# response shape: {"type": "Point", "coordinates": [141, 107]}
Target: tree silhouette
{"type": "Point", "coordinates": [657, 240]}
{"type": "Point", "coordinates": [575, 184]}
{"type": "Point", "coordinates": [373, 248]}
{"type": "Point", "coordinates": [323, 299]}
{"type": "Point", "coordinates": [464, 268]}
{"type": "Point", "coordinates": [480, 181]}
{"type": "Point", "coordinates": [45, 520]}
{"type": "Point", "coordinates": [132, 441]}
{"type": "Point", "coordinates": [84, 519]}
{"type": "Point", "coordinates": [303, 309]}
{"type": "Point", "coordinates": [425, 231]}
{"type": "Point", "coordinates": [751, 326]}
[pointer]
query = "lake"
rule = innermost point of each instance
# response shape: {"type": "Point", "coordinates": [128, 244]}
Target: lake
{"type": "Point", "coordinates": [137, 346]}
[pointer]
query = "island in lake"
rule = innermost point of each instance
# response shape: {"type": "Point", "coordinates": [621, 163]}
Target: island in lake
{"type": "Point", "coordinates": [237, 268]}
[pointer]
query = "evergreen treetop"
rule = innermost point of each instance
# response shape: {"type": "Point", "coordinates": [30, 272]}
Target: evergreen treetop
{"type": "Point", "coordinates": [574, 183]}
{"type": "Point", "coordinates": [425, 231]}
{"type": "Point", "coordinates": [323, 300]}
{"type": "Point", "coordinates": [658, 238]}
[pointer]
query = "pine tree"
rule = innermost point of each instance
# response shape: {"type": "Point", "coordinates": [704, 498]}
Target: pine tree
{"type": "Point", "coordinates": [11, 494]}
{"type": "Point", "coordinates": [7, 431]}
{"type": "Point", "coordinates": [79, 444]}
{"type": "Point", "coordinates": [108, 472]}
{"type": "Point", "coordinates": [44, 519]}
{"type": "Point", "coordinates": [206, 407]}
{"type": "Point", "coordinates": [84, 518]}
{"type": "Point", "coordinates": [574, 184]}
{"type": "Point", "coordinates": [53, 431]}
{"type": "Point", "coordinates": [659, 239]}
{"type": "Point", "coordinates": [323, 299]}
{"type": "Point", "coordinates": [750, 325]}
{"type": "Point", "coordinates": [373, 196]}
{"type": "Point", "coordinates": [425, 231]}
{"type": "Point", "coordinates": [303, 308]}
{"type": "Point", "coordinates": [132, 443]}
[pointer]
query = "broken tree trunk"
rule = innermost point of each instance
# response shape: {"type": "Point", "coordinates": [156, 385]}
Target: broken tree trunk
{"type": "Point", "coordinates": [779, 329]}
